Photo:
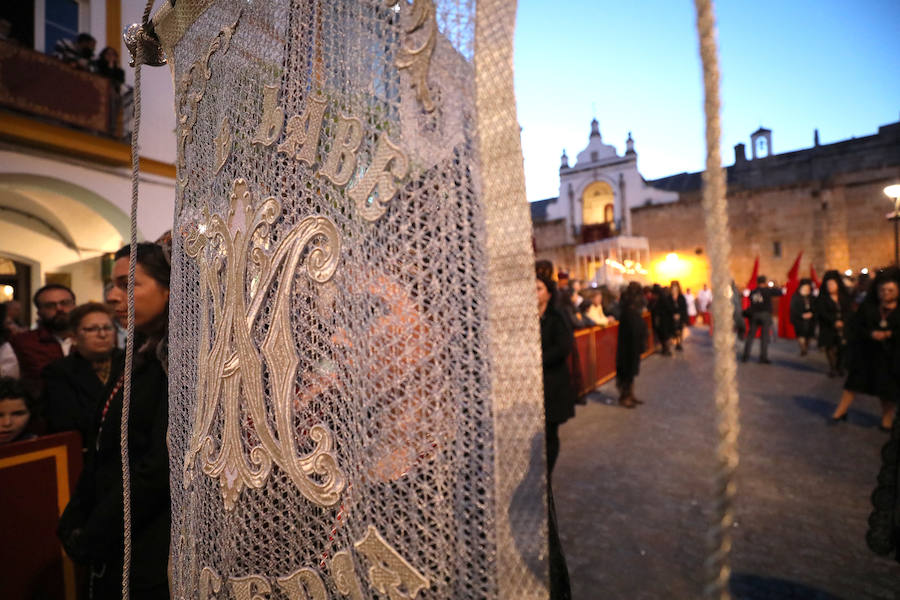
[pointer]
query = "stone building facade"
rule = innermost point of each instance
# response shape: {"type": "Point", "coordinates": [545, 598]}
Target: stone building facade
{"type": "Point", "coordinates": [826, 201]}
{"type": "Point", "coordinates": [589, 223]}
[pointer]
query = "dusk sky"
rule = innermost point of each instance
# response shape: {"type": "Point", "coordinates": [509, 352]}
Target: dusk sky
{"type": "Point", "coordinates": [791, 66]}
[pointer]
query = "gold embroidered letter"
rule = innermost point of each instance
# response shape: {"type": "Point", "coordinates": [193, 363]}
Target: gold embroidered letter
{"type": "Point", "coordinates": [389, 570]}
{"type": "Point", "coordinates": [344, 576]}
{"type": "Point", "coordinates": [210, 583]}
{"type": "Point", "coordinates": [230, 364]}
{"type": "Point", "coordinates": [302, 136]}
{"type": "Point", "coordinates": [272, 118]}
{"type": "Point", "coordinates": [341, 161]}
{"type": "Point", "coordinates": [250, 587]}
{"type": "Point", "coordinates": [297, 584]}
{"type": "Point", "coordinates": [370, 206]}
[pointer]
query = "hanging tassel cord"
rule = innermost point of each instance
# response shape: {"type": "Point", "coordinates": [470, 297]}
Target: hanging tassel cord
{"type": "Point", "coordinates": [129, 344]}
{"type": "Point", "coordinates": [718, 565]}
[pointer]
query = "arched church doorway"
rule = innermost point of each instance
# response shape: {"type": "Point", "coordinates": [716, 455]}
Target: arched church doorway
{"type": "Point", "coordinates": [598, 202]}
{"type": "Point", "coordinates": [598, 212]}
{"type": "Point", "coordinates": [51, 230]}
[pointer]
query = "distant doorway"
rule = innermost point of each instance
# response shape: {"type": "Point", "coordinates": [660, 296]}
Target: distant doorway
{"type": "Point", "coordinates": [15, 284]}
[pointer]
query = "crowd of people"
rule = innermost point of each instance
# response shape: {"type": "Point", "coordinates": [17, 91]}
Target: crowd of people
{"type": "Point", "coordinates": [79, 54]}
{"type": "Point", "coordinates": [854, 323]}
{"type": "Point", "coordinates": [858, 330]}
{"type": "Point", "coordinates": [67, 374]}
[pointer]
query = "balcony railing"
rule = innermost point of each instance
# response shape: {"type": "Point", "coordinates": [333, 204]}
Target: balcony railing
{"type": "Point", "coordinates": [596, 232]}
{"type": "Point", "coordinates": [42, 86]}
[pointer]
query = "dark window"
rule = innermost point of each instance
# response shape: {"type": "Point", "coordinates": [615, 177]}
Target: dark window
{"type": "Point", "coordinates": [776, 249]}
{"type": "Point", "coordinates": [61, 23]}
{"type": "Point", "coordinates": [20, 14]}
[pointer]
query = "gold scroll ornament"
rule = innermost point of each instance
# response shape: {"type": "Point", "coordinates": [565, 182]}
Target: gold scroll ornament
{"type": "Point", "coordinates": [230, 371]}
{"type": "Point", "coordinates": [417, 58]}
{"type": "Point", "coordinates": [189, 102]}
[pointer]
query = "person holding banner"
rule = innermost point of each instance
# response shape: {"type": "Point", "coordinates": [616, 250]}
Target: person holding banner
{"type": "Point", "coordinates": [91, 527]}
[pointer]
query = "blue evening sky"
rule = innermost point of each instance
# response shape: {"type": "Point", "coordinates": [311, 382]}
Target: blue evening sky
{"type": "Point", "coordinates": [789, 65]}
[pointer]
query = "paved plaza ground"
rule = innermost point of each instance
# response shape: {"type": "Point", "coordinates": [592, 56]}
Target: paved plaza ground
{"type": "Point", "coordinates": [633, 487]}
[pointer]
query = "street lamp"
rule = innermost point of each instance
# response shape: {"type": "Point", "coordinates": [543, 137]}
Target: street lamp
{"type": "Point", "coordinates": [893, 192]}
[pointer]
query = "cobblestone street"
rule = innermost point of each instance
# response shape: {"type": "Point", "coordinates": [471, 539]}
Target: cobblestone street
{"type": "Point", "coordinates": [633, 487]}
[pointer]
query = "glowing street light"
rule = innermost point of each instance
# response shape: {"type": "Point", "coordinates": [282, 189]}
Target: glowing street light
{"type": "Point", "coordinates": [893, 192]}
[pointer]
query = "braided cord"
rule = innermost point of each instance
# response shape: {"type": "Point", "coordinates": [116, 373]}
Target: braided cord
{"type": "Point", "coordinates": [718, 567]}
{"type": "Point", "coordinates": [129, 343]}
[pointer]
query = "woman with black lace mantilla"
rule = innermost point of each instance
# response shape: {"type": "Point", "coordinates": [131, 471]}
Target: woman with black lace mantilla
{"type": "Point", "coordinates": [880, 320]}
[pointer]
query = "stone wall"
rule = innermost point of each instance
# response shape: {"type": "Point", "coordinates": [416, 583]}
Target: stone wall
{"type": "Point", "coordinates": [826, 201]}
{"type": "Point", "coordinates": [837, 224]}
{"type": "Point", "coordinates": [550, 243]}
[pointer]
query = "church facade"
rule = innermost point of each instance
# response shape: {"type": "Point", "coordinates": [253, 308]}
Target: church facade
{"type": "Point", "coordinates": [826, 202]}
{"type": "Point", "coordinates": [587, 229]}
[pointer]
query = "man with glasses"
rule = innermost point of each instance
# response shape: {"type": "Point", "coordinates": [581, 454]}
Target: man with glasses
{"type": "Point", "coordinates": [51, 340]}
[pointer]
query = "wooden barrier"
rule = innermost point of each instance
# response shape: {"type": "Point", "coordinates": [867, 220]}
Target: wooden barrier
{"type": "Point", "coordinates": [36, 479]}
{"type": "Point", "coordinates": [597, 353]}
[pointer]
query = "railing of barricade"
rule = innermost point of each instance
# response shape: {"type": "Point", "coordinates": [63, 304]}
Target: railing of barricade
{"type": "Point", "coordinates": [596, 354]}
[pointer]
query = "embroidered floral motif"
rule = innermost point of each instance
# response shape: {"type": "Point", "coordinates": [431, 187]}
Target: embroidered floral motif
{"type": "Point", "coordinates": [344, 575]}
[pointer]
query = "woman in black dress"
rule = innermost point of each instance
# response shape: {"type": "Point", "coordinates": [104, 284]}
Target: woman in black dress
{"type": "Point", "coordinates": [802, 315]}
{"type": "Point", "coordinates": [661, 317]}
{"type": "Point", "coordinates": [875, 349]}
{"type": "Point", "coordinates": [556, 345]}
{"type": "Point", "coordinates": [557, 341]}
{"type": "Point", "coordinates": [880, 318]}
{"type": "Point", "coordinates": [91, 526]}
{"type": "Point", "coordinates": [632, 342]}
{"type": "Point", "coordinates": [833, 310]}
{"type": "Point", "coordinates": [678, 313]}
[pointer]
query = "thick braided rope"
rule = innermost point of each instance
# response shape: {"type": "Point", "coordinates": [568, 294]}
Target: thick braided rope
{"type": "Point", "coordinates": [718, 567]}
{"type": "Point", "coordinates": [129, 343]}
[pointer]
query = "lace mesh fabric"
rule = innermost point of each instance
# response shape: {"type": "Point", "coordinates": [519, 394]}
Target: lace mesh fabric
{"type": "Point", "coordinates": [355, 402]}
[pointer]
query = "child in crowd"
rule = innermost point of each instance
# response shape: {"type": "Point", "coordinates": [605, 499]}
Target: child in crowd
{"type": "Point", "coordinates": [16, 408]}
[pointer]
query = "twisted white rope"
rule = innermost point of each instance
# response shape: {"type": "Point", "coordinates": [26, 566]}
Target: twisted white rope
{"type": "Point", "coordinates": [129, 342]}
{"type": "Point", "coordinates": [718, 568]}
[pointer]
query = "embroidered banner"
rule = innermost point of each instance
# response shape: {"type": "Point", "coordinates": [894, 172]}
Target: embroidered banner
{"type": "Point", "coordinates": [355, 374]}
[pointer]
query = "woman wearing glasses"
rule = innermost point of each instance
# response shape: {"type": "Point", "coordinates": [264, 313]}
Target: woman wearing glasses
{"type": "Point", "coordinates": [73, 386]}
